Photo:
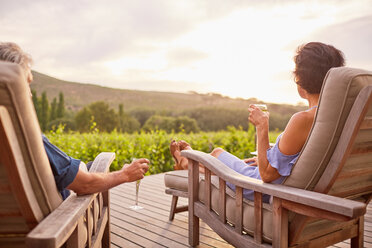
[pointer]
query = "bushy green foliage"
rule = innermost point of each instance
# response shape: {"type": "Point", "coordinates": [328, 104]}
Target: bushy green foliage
{"type": "Point", "coordinates": [142, 114]}
{"type": "Point", "coordinates": [128, 124]}
{"type": "Point", "coordinates": [68, 124]}
{"type": "Point", "coordinates": [171, 124]}
{"type": "Point", "coordinates": [216, 119]}
{"type": "Point", "coordinates": [153, 145]}
{"type": "Point", "coordinates": [211, 117]}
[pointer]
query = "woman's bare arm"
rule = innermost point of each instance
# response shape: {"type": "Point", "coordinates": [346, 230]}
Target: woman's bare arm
{"type": "Point", "coordinates": [291, 142]}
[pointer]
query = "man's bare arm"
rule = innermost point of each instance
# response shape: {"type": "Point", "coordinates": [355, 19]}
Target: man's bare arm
{"type": "Point", "coordinates": [88, 183]}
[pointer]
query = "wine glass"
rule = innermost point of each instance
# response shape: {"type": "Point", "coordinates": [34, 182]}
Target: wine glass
{"type": "Point", "coordinates": [135, 206]}
{"type": "Point", "coordinates": [263, 108]}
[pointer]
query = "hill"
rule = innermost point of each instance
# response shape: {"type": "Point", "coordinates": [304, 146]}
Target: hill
{"type": "Point", "coordinates": [78, 95]}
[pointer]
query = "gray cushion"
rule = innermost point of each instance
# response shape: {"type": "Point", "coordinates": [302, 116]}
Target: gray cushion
{"type": "Point", "coordinates": [178, 179]}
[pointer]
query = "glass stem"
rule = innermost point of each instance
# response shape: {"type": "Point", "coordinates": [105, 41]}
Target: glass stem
{"type": "Point", "coordinates": [137, 189]}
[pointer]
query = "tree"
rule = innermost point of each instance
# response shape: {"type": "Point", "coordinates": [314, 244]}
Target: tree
{"type": "Point", "coordinates": [121, 116]}
{"type": "Point", "coordinates": [142, 115]}
{"type": "Point", "coordinates": [36, 103]}
{"type": "Point", "coordinates": [126, 122]}
{"type": "Point", "coordinates": [157, 122]}
{"type": "Point", "coordinates": [53, 110]}
{"type": "Point", "coordinates": [215, 119]}
{"type": "Point", "coordinates": [44, 111]}
{"type": "Point", "coordinates": [61, 106]}
{"type": "Point", "coordinates": [186, 124]}
{"type": "Point", "coordinates": [105, 118]}
{"type": "Point", "coordinates": [82, 120]}
{"type": "Point", "coordinates": [67, 123]}
{"type": "Point", "coordinates": [129, 124]}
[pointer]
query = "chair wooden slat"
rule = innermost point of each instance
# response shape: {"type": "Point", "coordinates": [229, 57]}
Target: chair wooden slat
{"type": "Point", "coordinates": [239, 210]}
{"type": "Point", "coordinates": [222, 198]}
{"type": "Point", "coordinates": [258, 215]}
{"type": "Point", "coordinates": [367, 123]}
{"type": "Point", "coordinates": [208, 191]}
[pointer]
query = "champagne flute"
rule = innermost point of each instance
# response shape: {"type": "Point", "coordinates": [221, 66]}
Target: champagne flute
{"type": "Point", "coordinates": [135, 206]}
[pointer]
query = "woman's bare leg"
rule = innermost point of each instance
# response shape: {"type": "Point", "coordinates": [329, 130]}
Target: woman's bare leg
{"type": "Point", "coordinates": [183, 145]}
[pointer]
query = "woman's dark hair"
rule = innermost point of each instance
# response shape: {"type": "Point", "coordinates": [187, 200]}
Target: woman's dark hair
{"type": "Point", "coordinates": [313, 60]}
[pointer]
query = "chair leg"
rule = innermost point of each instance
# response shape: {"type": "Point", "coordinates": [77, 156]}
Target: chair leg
{"type": "Point", "coordinates": [358, 241]}
{"type": "Point", "coordinates": [193, 230]}
{"type": "Point", "coordinates": [173, 207]}
{"type": "Point", "coordinates": [106, 239]}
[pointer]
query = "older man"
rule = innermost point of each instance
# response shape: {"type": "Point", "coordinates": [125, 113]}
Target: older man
{"type": "Point", "coordinates": [66, 170]}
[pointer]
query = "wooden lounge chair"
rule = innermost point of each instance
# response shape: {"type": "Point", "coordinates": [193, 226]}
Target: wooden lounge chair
{"type": "Point", "coordinates": [32, 212]}
{"type": "Point", "coordinates": [321, 203]}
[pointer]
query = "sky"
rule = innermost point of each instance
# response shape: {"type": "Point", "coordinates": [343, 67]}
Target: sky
{"type": "Point", "coordinates": [236, 48]}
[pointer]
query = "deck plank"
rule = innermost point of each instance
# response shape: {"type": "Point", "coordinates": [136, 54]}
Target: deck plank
{"type": "Point", "coordinates": [150, 226]}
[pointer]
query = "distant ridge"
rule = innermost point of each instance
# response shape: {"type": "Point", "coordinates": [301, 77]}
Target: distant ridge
{"type": "Point", "coordinates": [78, 95]}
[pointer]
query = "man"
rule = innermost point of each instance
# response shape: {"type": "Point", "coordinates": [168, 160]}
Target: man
{"type": "Point", "coordinates": [66, 170]}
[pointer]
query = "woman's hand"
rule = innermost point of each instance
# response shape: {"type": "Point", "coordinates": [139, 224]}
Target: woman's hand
{"type": "Point", "coordinates": [251, 161]}
{"type": "Point", "coordinates": [257, 117]}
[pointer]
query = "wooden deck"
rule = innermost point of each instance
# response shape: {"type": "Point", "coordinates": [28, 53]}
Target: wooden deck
{"type": "Point", "coordinates": [150, 226]}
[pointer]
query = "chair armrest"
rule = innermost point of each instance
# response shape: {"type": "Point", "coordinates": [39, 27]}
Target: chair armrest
{"type": "Point", "coordinates": [56, 228]}
{"type": "Point", "coordinates": [337, 205]}
{"type": "Point", "coordinates": [102, 162]}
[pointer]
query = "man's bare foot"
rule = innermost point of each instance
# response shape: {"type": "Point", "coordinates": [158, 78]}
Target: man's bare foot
{"type": "Point", "coordinates": [183, 145]}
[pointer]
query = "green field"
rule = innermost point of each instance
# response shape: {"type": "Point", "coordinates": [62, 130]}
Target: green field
{"type": "Point", "coordinates": [152, 145]}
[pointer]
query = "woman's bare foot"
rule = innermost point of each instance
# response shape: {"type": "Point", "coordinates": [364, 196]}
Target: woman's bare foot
{"type": "Point", "coordinates": [181, 163]}
{"type": "Point", "coordinates": [184, 145]}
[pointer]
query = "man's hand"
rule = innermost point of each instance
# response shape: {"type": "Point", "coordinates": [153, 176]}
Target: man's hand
{"type": "Point", "coordinates": [135, 170]}
{"type": "Point", "coordinates": [252, 161]}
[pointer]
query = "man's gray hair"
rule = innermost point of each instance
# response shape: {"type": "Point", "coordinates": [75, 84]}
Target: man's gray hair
{"type": "Point", "coordinates": [11, 52]}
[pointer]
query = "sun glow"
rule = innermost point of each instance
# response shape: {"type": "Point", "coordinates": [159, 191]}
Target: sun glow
{"type": "Point", "coordinates": [248, 53]}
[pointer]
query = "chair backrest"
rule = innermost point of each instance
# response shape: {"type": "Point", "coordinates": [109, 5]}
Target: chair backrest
{"type": "Point", "coordinates": [337, 156]}
{"type": "Point", "coordinates": [339, 93]}
{"type": "Point", "coordinates": [31, 177]}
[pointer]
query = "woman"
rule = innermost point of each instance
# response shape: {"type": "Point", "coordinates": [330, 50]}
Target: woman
{"type": "Point", "coordinates": [312, 60]}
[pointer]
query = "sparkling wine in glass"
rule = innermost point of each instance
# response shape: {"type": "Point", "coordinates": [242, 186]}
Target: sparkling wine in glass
{"type": "Point", "coordinates": [263, 107]}
{"type": "Point", "coordinates": [135, 206]}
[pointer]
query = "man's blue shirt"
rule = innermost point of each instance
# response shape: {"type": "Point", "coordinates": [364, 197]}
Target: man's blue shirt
{"type": "Point", "coordinates": [63, 166]}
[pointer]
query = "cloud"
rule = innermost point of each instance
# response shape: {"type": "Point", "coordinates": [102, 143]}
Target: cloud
{"type": "Point", "coordinates": [353, 37]}
{"type": "Point", "coordinates": [162, 85]}
{"type": "Point", "coordinates": [190, 44]}
{"type": "Point", "coordinates": [184, 56]}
